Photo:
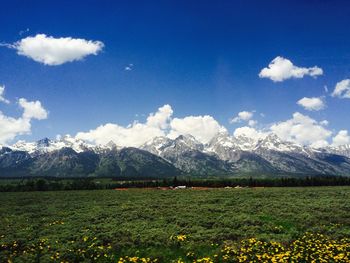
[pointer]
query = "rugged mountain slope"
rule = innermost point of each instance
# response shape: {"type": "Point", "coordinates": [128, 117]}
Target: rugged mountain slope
{"type": "Point", "coordinates": [66, 162]}
{"type": "Point", "coordinates": [138, 162]}
{"type": "Point", "coordinates": [297, 159]}
{"type": "Point", "coordinates": [241, 154]}
{"type": "Point", "coordinates": [14, 163]}
{"type": "Point", "coordinates": [163, 156]}
{"type": "Point", "coordinates": [46, 145]}
{"type": "Point", "coordinates": [187, 154]}
{"type": "Point", "coordinates": [225, 147]}
{"type": "Point", "coordinates": [252, 163]}
{"type": "Point", "coordinates": [343, 150]}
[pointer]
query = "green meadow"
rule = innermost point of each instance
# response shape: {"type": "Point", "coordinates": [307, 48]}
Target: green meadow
{"type": "Point", "coordinates": [164, 225]}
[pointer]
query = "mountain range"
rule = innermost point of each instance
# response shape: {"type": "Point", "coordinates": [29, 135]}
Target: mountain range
{"type": "Point", "coordinates": [164, 157]}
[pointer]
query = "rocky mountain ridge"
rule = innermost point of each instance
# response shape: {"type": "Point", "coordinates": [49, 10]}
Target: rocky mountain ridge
{"type": "Point", "coordinates": [163, 156]}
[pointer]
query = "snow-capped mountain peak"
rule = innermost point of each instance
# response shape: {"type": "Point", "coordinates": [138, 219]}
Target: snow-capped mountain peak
{"type": "Point", "coordinates": [226, 147]}
{"type": "Point", "coordinates": [188, 141]}
{"type": "Point", "coordinates": [44, 142]}
{"type": "Point", "coordinates": [222, 138]}
{"type": "Point", "coordinates": [224, 153]}
{"type": "Point", "coordinates": [223, 141]}
{"type": "Point", "coordinates": [340, 150]}
{"type": "Point", "coordinates": [180, 144]}
{"type": "Point", "coordinates": [71, 142]}
{"type": "Point", "coordinates": [156, 145]}
{"type": "Point", "coordinates": [46, 145]}
{"type": "Point", "coordinates": [21, 145]}
{"type": "Point", "coordinates": [245, 143]}
{"type": "Point", "coordinates": [275, 143]}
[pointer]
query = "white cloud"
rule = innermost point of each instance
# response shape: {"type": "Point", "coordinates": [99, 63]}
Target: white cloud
{"type": "Point", "coordinates": [341, 138]}
{"type": "Point", "coordinates": [161, 118]}
{"type": "Point", "coordinates": [133, 135]}
{"type": "Point", "coordinates": [56, 51]}
{"type": "Point", "coordinates": [342, 89]}
{"type": "Point", "coordinates": [324, 123]}
{"type": "Point", "coordinates": [203, 128]}
{"type": "Point", "coordinates": [2, 98]}
{"type": "Point", "coordinates": [32, 109]}
{"type": "Point", "coordinates": [249, 132]}
{"type": "Point", "coordinates": [252, 123]}
{"type": "Point", "coordinates": [129, 67]}
{"type": "Point", "coordinates": [312, 104]}
{"type": "Point", "coordinates": [303, 130]}
{"type": "Point", "coordinates": [281, 69]}
{"type": "Point", "coordinates": [242, 116]}
{"type": "Point", "coordinates": [300, 129]}
{"type": "Point", "coordinates": [11, 127]}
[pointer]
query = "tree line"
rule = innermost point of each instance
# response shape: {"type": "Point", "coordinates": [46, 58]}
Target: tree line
{"type": "Point", "coordinates": [54, 184]}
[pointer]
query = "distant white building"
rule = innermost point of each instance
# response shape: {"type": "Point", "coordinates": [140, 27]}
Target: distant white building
{"type": "Point", "coordinates": [180, 187]}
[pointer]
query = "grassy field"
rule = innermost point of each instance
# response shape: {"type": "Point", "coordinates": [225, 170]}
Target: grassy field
{"type": "Point", "coordinates": [104, 225]}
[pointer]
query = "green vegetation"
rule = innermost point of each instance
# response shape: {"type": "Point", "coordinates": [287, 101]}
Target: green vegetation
{"type": "Point", "coordinates": [93, 183]}
{"type": "Point", "coordinates": [167, 224]}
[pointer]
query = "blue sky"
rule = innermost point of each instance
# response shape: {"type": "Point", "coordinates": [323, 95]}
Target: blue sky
{"type": "Point", "coordinates": [202, 58]}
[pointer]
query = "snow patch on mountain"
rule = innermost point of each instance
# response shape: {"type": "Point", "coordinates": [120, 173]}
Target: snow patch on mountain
{"type": "Point", "coordinates": [223, 153]}
{"type": "Point", "coordinates": [46, 145]}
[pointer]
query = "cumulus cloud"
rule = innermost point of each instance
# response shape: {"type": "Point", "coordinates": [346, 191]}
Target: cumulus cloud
{"type": "Point", "coordinates": [160, 123]}
{"type": "Point", "coordinates": [32, 109]}
{"type": "Point", "coordinates": [249, 132]}
{"type": "Point", "coordinates": [2, 98]}
{"type": "Point", "coordinates": [341, 138]}
{"type": "Point", "coordinates": [11, 127]}
{"type": "Point", "coordinates": [160, 118]}
{"type": "Point", "coordinates": [203, 128]}
{"type": "Point", "coordinates": [242, 116]}
{"type": "Point", "coordinates": [252, 123]}
{"type": "Point", "coordinates": [342, 89]}
{"type": "Point", "coordinates": [133, 135]}
{"type": "Point", "coordinates": [312, 104]}
{"type": "Point", "coordinates": [281, 69]}
{"type": "Point", "coordinates": [56, 51]}
{"type": "Point", "coordinates": [303, 130]}
{"type": "Point", "coordinates": [300, 129]}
